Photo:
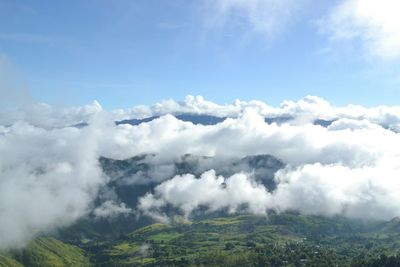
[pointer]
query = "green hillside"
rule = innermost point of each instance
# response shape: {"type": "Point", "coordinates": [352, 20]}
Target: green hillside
{"type": "Point", "coordinates": [279, 240]}
{"type": "Point", "coordinates": [46, 252]}
{"type": "Point", "coordinates": [287, 239]}
{"type": "Point", "coordinates": [7, 260]}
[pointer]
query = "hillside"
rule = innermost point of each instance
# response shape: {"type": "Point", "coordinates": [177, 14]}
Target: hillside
{"type": "Point", "coordinates": [46, 252]}
{"type": "Point", "coordinates": [208, 238]}
{"type": "Point", "coordinates": [288, 239]}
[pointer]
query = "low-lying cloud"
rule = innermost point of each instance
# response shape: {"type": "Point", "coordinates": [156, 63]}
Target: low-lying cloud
{"type": "Point", "coordinates": [48, 179]}
{"type": "Point", "coordinates": [215, 192]}
{"type": "Point", "coordinates": [50, 174]}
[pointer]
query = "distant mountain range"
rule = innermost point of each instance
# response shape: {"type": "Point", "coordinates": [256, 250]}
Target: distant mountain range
{"type": "Point", "coordinates": [215, 238]}
{"type": "Point", "coordinates": [213, 120]}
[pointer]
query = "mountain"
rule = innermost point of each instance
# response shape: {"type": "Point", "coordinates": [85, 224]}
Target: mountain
{"type": "Point", "coordinates": [206, 238]}
{"type": "Point", "coordinates": [203, 119]}
{"type": "Point", "coordinates": [193, 118]}
{"type": "Point", "coordinates": [279, 119]}
{"type": "Point", "coordinates": [136, 121]}
{"type": "Point", "coordinates": [323, 123]}
{"type": "Point", "coordinates": [132, 178]}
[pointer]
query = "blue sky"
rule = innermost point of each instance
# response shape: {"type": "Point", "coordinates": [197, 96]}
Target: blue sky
{"type": "Point", "coordinates": [124, 53]}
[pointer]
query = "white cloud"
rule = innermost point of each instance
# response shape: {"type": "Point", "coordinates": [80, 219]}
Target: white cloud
{"type": "Point", "coordinates": [16, 104]}
{"type": "Point", "coordinates": [268, 17]}
{"type": "Point", "coordinates": [303, 111]}
{"type": "Point", "coordinates": [193, 105]}
{"type": "Point", "coordinates": [348, 168]}
{"type": "Point", "coordinates": [48, 179]}
{"type": "Point", "coordinates": [375, 24]}
{"type": "Point", "coordinates": [214, 192]}
{"type": "Point", "coordinates": [50, 174]}
{"type": "Point", "coordinates": [368, 192]}
{"type": "Point", "coordinates": [171, 138]}
{"type": "Point", "coordinates": [111, 209]}
{"type": "Point", "coordinates": [46, 116]}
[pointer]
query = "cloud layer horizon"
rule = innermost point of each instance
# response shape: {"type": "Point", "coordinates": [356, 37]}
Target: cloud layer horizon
{"type": "Point", "coordinates": [338, 161]}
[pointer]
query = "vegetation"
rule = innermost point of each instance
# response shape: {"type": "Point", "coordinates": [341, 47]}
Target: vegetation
{"type": "Point", "coordinates": [287, 239]}
{"type": "Point", "coordinates": [46, 252]}
{"type": "Point", "coordinates": [9, 261]}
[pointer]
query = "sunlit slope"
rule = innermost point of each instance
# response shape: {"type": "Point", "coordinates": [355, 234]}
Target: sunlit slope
{"type": "Point", "coordinates": [46, 252]}
{"type": "Point", "coordinates": [274, 240]}
{"type": "Point", "coordinates": [286, 239]}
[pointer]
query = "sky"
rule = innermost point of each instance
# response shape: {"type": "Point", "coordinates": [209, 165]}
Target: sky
{"type": "Point", "coordinates": [125, 53]}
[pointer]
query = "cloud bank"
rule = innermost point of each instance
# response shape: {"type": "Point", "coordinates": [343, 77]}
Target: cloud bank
{"type": "Point", "coordinates": [51, 175]}
{"type": "Point", "coordinates": [48, 179]}
{"type": "Point", "coordinates": [215, 192]}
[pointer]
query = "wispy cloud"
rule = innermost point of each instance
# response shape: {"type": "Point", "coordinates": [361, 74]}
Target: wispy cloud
{"type": "Point", "coordinates": [267, 17]}
{"type": "Point", "coordinates": [169, 26]}
{"type": "Point", "coordinates": [374, 24]}
{"type": "Point", "coordinates": [35, 38]}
